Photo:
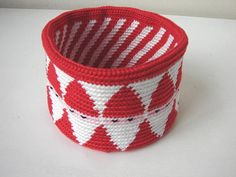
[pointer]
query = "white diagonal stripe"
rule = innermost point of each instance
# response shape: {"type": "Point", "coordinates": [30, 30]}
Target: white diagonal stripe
{"type": "Point", "coordinates": [94, 38]}
{"type": "Point", "coordinates": [163, 49]}
{"type": "Point", "coordinates": [120, 41]}
{"type": "Point", "coordinates": [57, 37]}
{"type": "Point", "coordinates": [106, 40]}
{"type": "Point", "coordinates": [132, 45]}
{"type": "Point", "coordinates": [147, 47]}
{"type": "Point", "coordinates": [85, 33]}
{"type": "Point", "coordinates": [74, 29]}
{"type": "Point", "coordinates": [63, 36]}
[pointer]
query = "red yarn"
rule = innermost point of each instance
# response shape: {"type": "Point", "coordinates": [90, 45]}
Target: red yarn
{"type": "Point", "coordinates": [144, 137]}
{"type": "Point", "coordinates": [119, 101]}
{"type": "Point", "coordinates": [163, 93]}
{"type": "Point", "coordinates": [52, 77]}
{"type": "Point", "coordinates": [78, 99]}
{"type": "Point", "coordinates": [101, 141]}
{"type": "Point", "coordinates": [113, 76]}
{"type": "Point", "coordinates": [64, 122]}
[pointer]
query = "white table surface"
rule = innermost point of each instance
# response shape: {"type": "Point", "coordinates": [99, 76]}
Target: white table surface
{"type": "Point", "coordinates": [202, 142]}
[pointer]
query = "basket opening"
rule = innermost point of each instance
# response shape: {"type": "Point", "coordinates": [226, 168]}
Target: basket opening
{"type": "Point", "coordinates": [112, 42]}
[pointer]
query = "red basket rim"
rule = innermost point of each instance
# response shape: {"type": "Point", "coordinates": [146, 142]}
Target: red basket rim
{"type": "Point", "coordinates": [115, 74]}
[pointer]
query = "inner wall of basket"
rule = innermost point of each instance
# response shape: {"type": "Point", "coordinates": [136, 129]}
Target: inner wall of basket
{"type": "Point", "coordinates": [111, 42]}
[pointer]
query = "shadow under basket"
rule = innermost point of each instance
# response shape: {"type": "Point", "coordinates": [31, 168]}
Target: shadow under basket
{"type": "Point", "coordinates": [113, 76]}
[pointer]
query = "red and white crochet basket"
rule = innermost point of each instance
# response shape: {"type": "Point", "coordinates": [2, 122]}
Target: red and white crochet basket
{"type": "Point", "coordinates": [113, 76]}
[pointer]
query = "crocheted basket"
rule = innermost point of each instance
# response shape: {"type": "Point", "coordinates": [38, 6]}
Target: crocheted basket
{"type": "Point", "coordinates": [113, 76]}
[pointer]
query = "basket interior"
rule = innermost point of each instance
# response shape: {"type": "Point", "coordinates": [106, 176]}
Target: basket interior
{"type": "Point", "coordinates": [112, 41]}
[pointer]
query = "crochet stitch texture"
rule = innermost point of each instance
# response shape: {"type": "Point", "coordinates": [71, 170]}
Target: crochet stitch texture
{"type": "Point", "coordinates": [113, 76]}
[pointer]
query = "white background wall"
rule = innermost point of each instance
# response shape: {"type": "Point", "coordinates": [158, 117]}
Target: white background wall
{"type": "Point", "coordinates": [206, 8]}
